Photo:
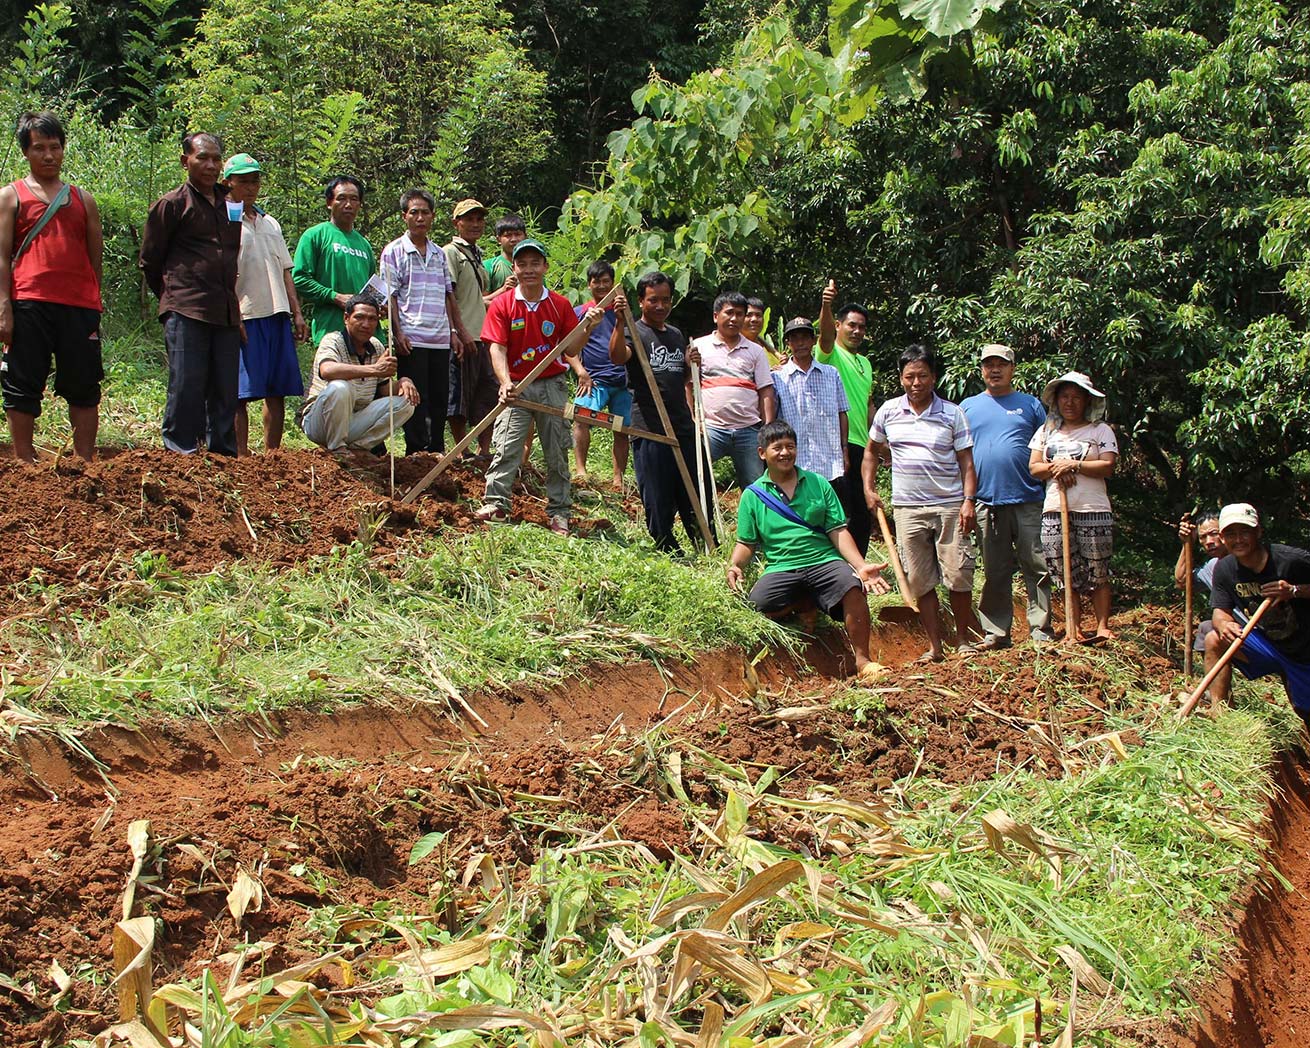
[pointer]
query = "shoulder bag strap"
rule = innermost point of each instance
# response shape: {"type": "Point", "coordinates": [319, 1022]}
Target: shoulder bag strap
{"type": "Point", "coordinates": [782, 509]}
{"type": "Point", "coordinates": [61, 198]}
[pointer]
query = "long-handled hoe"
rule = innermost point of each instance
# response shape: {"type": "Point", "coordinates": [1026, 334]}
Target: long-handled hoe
{"type": "Point", "coordinates": [909, 611]}
{"type": "Point", "coordinates": [1224, 660]}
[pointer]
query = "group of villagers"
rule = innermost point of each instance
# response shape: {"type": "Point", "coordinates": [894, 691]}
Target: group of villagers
{"type": "Point", "coordinates": [1019, 479]}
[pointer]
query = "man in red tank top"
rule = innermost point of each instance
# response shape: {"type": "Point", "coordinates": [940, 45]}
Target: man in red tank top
{"type": "Point", "coordinates": [50, 275]}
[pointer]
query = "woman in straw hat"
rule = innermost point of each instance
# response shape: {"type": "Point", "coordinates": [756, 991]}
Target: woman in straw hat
{"type": "Point", "coordinates": [1075, 451]}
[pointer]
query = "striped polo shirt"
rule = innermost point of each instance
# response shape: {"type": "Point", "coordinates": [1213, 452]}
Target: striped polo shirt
{"type": "Point", "coordinates": [731, 379]}
{"type": "Point", "coordinates": [925, 471]}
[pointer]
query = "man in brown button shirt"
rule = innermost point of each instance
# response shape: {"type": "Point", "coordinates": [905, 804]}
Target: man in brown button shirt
{"type": "Point", "coordinates": [189, 253]}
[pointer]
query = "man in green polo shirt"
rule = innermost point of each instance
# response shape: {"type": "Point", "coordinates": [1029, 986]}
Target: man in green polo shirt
{"type": "Point", "coordinates": [795, 520]}
{"type": "Point", "coordinates": [841, 338]}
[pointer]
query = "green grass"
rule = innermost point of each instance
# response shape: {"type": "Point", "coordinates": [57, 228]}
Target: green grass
{"type": "Point", "coordinates": [491, 608]}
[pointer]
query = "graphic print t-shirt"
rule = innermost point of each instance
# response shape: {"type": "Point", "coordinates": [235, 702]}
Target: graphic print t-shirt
{"type": "Point", "coordinates": [1088, 441]}
{"type": "Point", "coordinates": [667, 351]}
{"type": "Point", "coordinates": [1286, 624]}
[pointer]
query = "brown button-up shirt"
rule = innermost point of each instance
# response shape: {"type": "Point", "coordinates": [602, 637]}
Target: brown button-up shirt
{"type": "Point", "coordinates": [189, 253]}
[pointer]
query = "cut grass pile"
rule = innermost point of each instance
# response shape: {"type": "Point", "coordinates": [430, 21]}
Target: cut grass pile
{"type": "Point", "coordinates": [1019, 911]}
{"type": "Point", "coordinates": [495, 608]}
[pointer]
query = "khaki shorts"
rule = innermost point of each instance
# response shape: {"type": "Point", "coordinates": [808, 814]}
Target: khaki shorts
{"type": "Point", "coordinates": [932, 549]}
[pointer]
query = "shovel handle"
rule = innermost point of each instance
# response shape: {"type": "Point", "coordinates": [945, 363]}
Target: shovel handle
{"type": "Point", "coordinates": [1188, 611]}
{"type": "Point", "coordinates": [1071, 622]}
{"type": "Point", "coordinates": [902, 583]}
{"type": "Point", "coordinates": [1224, 660]}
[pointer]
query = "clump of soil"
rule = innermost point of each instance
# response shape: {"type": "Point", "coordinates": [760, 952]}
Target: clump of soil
{"type": "Point", "coordinates": [89, 526]}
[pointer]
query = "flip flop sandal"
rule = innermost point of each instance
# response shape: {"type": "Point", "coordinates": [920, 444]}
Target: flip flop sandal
{"type": "Point", "coordinates": [928, 657]}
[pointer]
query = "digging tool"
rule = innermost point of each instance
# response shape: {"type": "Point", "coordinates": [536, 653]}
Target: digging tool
{"type": "Point", "coordinates": [892, 613]}
{"type": "Point", "coordinates": [708, 490]}
{"type": "Point", "coordinates": [392, 386]}
{"type": "Point", "coordinates": [573, 338]}
{"type": "Point", "coordinates": [639, 350]}
{"type": "Point", "coordinates": [1071, 622]}
{"type": "Point", "coordinates": [1187, 609]}
{"type": "Point", "coordinates": [1224, 660]}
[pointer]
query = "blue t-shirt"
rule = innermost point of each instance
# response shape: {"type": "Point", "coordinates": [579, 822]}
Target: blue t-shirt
{"type": "Point", "coordinates": [596, 353]}
{"type": "Point", "coordinates": [1002, 427]}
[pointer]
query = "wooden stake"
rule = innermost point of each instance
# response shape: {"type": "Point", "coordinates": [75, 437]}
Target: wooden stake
{"type": "Point", "coordinates": [1071, 623]}
{"type": "Point", "coordinates": [1187, 611]}
{"type": "Point", "coordinates": [602, 423]}
{"type": "Point", "coordinates": [573, 338]}
{"type": "Point", "coordinates": [639, 348]}
{"type": "Point", "coordinates": [1224, 660]}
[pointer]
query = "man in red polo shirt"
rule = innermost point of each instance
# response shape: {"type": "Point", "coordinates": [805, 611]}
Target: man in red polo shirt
{"type": "Point", "coordinates": [519, 330]}
{"type": "Point", "coordinates": [50, 293]}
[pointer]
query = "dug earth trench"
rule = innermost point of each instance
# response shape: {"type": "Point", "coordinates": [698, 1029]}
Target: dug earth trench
{"type": "Point", "coordinates": [325, 809]}
{"type": "Point", "coordinates": [1262, 1000]}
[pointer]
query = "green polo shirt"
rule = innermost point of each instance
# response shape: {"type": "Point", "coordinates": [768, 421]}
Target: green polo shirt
{"type": "Point", "coordinates": [857, 378]}
{"type": "Point", "coordinates": [784, 544]}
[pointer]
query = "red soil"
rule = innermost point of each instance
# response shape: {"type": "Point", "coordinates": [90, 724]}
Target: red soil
{"type": "Point", "coordinates": [347, 796]}
{"type": "Point", "coordinates": [1263, 999]}
{"type": "Point", "coordinates": [88, 526]}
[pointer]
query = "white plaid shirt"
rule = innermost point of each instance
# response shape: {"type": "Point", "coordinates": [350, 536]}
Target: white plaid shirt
{"type": "Point", "coordinates": [812, 403]}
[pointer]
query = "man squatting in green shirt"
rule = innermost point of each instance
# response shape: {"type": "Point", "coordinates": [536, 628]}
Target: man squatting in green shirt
{"type": "Point", "coordinates": [333, 261]}
{"type": "Point", "coordinates": [795, 519]}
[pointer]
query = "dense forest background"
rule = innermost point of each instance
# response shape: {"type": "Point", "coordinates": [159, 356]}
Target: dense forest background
{"type": "Point", "coordinates": [1118, 186]}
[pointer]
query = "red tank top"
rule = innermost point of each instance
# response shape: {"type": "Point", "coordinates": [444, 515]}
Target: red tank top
{"type": "Point", "coordinates": [55, 267]}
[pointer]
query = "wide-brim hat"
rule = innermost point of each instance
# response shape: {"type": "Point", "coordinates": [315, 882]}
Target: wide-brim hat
{"type": "Point", "coordinates": [1095, 407]}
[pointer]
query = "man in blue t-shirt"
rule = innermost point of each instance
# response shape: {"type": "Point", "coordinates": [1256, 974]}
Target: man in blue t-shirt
{"type": "Point", "coordinates": [1009, 500]}
{"type": "Point", "coordinates": [608, 389]}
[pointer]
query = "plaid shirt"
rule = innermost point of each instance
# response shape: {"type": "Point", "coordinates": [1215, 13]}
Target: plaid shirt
{"type": "Point", "coordinates": [812, 403]}
{"type": "Point", "coordinates": [420, 284]}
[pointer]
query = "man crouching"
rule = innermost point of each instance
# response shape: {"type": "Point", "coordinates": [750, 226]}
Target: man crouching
{"type": "Point", "coordinates": [353, 401]}
{"type": "Point", "coordinates": [795, 519]}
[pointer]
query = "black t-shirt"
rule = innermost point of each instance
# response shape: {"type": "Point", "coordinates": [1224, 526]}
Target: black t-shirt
{"type": "Point", "coordinates": [1287, 624]}
{"type": "Point", "coordinates": [668, 362]}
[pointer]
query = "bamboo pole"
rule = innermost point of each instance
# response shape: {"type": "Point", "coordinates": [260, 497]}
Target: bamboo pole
{"type": "Point", "coordinates": [639, 348]}
{"type": "Point", "coordinates": [574, 337]}
{"type": "Point", "coordinates": [709, 488]}
{"type": "Point", "coordinates": [1224, 660]}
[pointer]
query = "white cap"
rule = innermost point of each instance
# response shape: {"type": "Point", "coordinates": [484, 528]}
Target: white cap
{"type": "Point", "coordinates": [1239, 513]}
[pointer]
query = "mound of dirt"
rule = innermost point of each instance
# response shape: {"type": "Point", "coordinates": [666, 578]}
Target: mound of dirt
{"type": "Point", "coordinates": [89, 525]}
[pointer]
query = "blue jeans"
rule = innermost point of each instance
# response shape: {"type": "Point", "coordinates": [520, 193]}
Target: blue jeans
{"type": "Point", "coordinates": [744, 447]}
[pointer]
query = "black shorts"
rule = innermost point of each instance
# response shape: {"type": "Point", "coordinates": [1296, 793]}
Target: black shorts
{"type": "Point", "coordinates": [70, 335]}
{"type": "Point", "coordinates": [826, 584]}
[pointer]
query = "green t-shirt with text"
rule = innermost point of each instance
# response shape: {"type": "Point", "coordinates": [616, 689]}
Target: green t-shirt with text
{"type": "Point", "coordinates": [329, 261]}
